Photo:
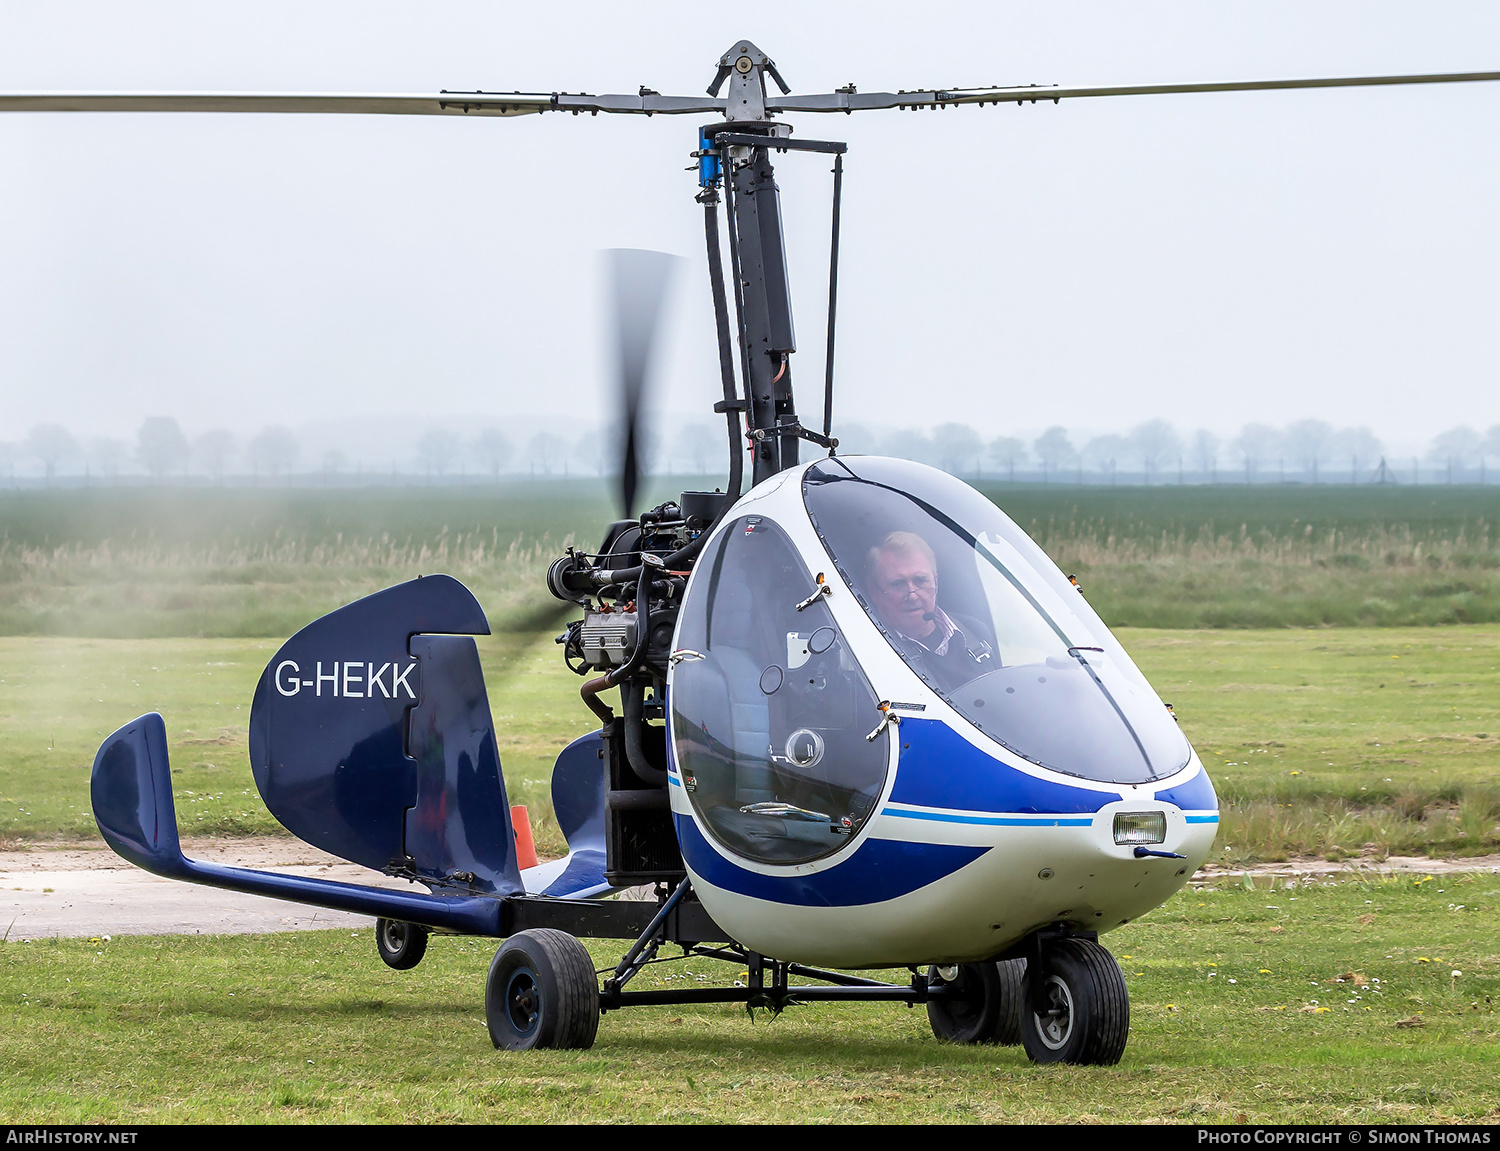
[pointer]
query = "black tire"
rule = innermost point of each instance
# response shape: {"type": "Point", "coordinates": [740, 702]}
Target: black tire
{"type": "Point", "coordinates": [400, 944]}
{"type": "Point", "coordinates": [972, 1013]}
{"type": "Point", "coordinates": [542, 993]}
{"type": "Point", "coordinates": [1012, 974]}
{"type": "Point", "coordinates": [1088, 1016]}
{"type": "Point", "coordinates": [987, 1008]}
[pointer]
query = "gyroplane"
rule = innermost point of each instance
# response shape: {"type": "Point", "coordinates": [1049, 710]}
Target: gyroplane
{"type": "Point", "coordinates": [865, 723]}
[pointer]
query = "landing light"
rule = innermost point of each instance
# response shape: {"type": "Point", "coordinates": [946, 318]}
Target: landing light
{"type": "Point", "coordinates": [1140, 827]}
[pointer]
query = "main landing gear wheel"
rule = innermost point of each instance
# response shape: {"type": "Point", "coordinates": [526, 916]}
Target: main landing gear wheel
{"type": "Point", "coordinates": [1012, 974]}
{"type": "Point", "coordinates": [400, 944]}
{"type": "Point", "coordinates": [1083, 1012]}
{"type": "Point", "coordinates": [542, 993]}
{"type": "Point", "coordinates": [987, 1006]}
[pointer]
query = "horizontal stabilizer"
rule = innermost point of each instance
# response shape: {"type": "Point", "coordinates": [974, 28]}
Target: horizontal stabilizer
{"type": "Point", "coordinates": [577, 875]}
{"type": "Point", "coordinates": [132, 798]}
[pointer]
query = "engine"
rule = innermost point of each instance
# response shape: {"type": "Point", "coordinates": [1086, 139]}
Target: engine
{"type": "Point", "coordinates": [630, 591]}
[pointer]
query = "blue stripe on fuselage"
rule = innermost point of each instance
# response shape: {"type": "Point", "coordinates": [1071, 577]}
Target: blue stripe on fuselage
{"type": "Point", "coordinates": [939, 768]}
{"type": "Point", "coordinates": [879, 869]}
{"type": "Point", "coordinates": [990, 820]}
{"type": "Point", "coordinates": [1197, 794]}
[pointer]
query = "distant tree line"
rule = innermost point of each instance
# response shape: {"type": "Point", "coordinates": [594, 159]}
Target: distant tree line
{"type": "Point", "coordinates": [161, 450]}
{"type": "Point", "coordinates": [1153, 452]}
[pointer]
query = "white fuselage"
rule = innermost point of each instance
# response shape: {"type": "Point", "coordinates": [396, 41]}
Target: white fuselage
{"type": "Point", "coordinates": [969, 847]}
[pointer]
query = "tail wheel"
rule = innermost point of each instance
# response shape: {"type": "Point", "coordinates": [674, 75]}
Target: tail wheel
{"type": "Point", "coordinates": [400, 944]}
{"type": "Point", "coordinates": [1082, 1012]}
{"type": "Point", "coordinates": [542, 993]}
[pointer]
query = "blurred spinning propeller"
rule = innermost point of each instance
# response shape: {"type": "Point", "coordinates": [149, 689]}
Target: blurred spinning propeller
{"type": "Point", "coordinates": [640, 280]}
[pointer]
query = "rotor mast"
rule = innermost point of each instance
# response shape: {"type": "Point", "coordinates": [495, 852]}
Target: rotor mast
{"type": "Point", "coordinates": [758, 257]}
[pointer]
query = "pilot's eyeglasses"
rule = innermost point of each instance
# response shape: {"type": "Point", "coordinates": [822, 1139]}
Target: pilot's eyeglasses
{"type": "Point", "coordinates": [915, 583]}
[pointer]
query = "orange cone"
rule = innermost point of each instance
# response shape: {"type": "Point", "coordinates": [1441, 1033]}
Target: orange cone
{"type": "Point", "coordinates": [520, 822]}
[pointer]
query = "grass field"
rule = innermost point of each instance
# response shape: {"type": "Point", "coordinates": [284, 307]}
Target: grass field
{"type": "Point", "coordinates": [1273, 556]}
{"type": "Point", "coordinates": [1343, 741]}
{"type": "Point", "coordinates": [1237, 1014]}
{"type": "Point", "coordinates": [160, 562]}
{"type": "Point", "coordinates": [1329, 742]}
{"type": "Point", "coordinates": [1340, 742]}
{"type": "Point", "coordinates": [1280, 511]}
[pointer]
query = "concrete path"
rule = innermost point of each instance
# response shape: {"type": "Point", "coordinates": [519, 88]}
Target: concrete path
{"type": "Point", "coordinates": [61, 891]}
{"type": "Point", "coordinates": [93, 892]}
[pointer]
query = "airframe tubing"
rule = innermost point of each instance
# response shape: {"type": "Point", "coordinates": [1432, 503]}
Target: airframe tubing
{"type": "Point", "coordinates": [131, 791]}
{"type": "Point", "coordinates": [885, 993]}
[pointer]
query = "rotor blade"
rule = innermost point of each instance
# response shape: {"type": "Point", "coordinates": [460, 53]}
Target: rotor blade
{"type": "Point", "coordinates": [640, 280]}
{"type": "Point", "coordinates": [481, 103]}
{"type": "Point", "coordinates": [646, 104]}
{"type": "Point", "coordinates": [1022, 94]}
{"type": "Point", "coordinates": [394, 104]}
{"type": "Point", "coordinates": [354, 103]}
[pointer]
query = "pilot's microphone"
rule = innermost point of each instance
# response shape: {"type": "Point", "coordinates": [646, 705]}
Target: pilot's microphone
{"type": "Point", "coordinates": [929, 616]}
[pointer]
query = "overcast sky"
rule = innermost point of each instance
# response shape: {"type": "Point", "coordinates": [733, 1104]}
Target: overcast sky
{"type": "Point", "coordinates": [1213, 259]}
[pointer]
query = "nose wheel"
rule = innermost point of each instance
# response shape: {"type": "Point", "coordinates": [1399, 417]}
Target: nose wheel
{"type": "Point", "coordinates": [1077, 1008]}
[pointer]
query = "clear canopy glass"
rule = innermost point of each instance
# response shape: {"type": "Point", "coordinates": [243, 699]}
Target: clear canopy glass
{"type": "Point", "coordinates": [989, 622]}
{"type": "Point", "coordinates": [770, 710]}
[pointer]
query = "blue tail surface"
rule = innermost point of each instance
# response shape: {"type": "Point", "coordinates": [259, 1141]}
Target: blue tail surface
{"type": "Point", "coordinates": [132, 797]}
{"type": "Point", "coordinates": [371, 737]}
{"type": "Point", "coordinates": [580, 788]}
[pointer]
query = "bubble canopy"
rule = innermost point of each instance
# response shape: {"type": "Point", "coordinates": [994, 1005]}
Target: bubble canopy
{"type": "Point", "coordinates": [987, 620]}
{"type": "Point", "coordinates": [771, 713]}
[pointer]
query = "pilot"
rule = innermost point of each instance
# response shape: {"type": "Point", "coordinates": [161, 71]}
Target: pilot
{"type": "Point", "coordinates": [902, 578]}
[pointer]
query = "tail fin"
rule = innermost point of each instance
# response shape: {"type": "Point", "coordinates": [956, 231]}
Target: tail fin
{"type": "Point", "coordinates": [374, 741]}
{"type": "Point", "coordinates": [132, 796]}
{"type": "Point", "coordinates": [580, 787]}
